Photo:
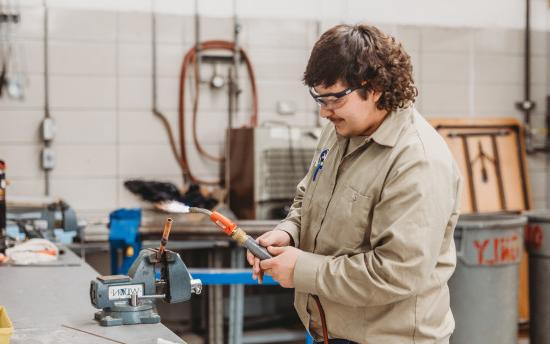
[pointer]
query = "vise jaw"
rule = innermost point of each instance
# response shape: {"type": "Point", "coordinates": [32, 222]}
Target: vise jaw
{"type": "Point", "coordinates": [125, 300]}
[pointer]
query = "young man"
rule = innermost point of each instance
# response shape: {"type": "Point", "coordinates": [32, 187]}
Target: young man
{"type": "Point", "coordinates": [368, 243]}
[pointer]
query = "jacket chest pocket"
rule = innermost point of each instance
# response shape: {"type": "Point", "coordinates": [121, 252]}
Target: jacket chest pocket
{"type": "Point", "coordinates": [348, 225]}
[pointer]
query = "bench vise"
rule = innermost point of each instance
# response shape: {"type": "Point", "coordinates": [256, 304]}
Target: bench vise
{"type": "Point", "coordinates": [126, 300]}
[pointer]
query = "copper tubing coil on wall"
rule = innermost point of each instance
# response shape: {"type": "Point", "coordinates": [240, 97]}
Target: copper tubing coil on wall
{"type": "Point", "coordinates": [191, 59]}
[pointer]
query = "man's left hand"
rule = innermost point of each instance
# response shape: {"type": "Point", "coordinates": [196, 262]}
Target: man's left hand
{"type": "Point", "coordinates": [281, 267]}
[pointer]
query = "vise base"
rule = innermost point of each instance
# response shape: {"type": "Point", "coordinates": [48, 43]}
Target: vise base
{"type": "Point", "coordinates": [125, 314]}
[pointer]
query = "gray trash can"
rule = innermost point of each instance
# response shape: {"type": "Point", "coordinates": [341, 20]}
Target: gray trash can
{"type": "Point", "coordinates": [484, 287]}
{"type": "Point", "coordinates": [538, 246]}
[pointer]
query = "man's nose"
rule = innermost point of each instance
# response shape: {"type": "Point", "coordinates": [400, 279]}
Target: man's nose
{"type": "Point", "coordinates": [325, 113]}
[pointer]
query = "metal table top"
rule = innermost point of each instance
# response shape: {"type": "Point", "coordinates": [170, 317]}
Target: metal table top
{"type": "Point", "coordinates": [39, 300]}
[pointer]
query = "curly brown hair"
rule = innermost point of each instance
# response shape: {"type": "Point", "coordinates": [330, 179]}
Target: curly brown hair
{"type": "Point", "coordinates": [356, 53]}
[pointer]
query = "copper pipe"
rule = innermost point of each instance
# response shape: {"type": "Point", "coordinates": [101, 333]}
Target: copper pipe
{"type": "Point", "coordinates": [165, 235]}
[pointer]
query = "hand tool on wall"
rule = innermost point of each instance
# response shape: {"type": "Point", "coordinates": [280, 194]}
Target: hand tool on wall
{"type": "Point", "coordinates": [482, 157]}
{"type": "Point", "coordinates": [125, 300]}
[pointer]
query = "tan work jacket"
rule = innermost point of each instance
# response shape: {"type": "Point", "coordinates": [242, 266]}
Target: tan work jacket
{"type": "Point", "coordinates": [376, 227]}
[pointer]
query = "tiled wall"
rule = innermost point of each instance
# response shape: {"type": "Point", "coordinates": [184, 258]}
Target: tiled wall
{"type": "Point", "coordinates": [100, 92]}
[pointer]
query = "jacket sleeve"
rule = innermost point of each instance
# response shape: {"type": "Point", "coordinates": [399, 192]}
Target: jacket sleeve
{"type": "Point", "coordinates": [417, 205]}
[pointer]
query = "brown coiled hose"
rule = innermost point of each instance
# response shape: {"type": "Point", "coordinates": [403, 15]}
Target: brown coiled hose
{"type": "Point", "coordinates": [190, 59]}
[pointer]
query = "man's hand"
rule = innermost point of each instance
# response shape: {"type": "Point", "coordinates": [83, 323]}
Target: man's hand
{"type": "Point", "coordinates": [281, 267]}
{"type": "Point", "coordinates": [271, 238]}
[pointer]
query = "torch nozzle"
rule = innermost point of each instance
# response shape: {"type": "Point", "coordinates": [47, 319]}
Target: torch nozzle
{"type": "Point", "coordinates": [231, 229]}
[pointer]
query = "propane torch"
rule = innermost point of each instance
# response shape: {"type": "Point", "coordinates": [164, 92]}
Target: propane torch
{"type": "Point", "coordinates": [231, 229]}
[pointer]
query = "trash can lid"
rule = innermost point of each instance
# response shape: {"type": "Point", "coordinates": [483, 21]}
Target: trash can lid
{"type": "Point", "coordinates": [538, 215]}
{"type": "Point", "coordinates": [487, 221]}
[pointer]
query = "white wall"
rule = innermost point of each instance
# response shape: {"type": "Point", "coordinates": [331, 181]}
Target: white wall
{"type": "Point", "coordinates": [100, 64]}
{"type": "Point", "coordinates": [452, 13]}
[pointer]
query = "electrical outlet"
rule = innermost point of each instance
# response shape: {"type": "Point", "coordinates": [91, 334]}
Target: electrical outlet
{"type": "Point", "coordinates": [48, 129]}
{"type": "Point", "coordinates": [48, 158]}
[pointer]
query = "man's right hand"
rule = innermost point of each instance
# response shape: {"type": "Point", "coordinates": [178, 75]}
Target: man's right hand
{"type": "Point", "coordinates": [272, 238]}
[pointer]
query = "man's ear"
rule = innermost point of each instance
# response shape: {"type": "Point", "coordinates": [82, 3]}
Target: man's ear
{"type": "Point", "coordinates": [376, 95]}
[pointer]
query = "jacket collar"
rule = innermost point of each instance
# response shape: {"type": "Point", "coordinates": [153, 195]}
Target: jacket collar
{"type": "Point", "coordinates": [389, 131]}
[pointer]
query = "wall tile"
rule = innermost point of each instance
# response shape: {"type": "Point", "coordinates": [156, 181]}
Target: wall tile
{"type": "Point", "coordinates": [497, 98]}
{"type": "Point", "coordinates": [146, 159]}
{"type": "Point", "coordinates": [136, 127]}
{"type": "Point", "coordinates": [417, 67]}
{"type": "Point", "coordinates": [134, 59]}
{"type": "Point", "coordinates": [82, 58]}
{"type": "Point", "coordinates": [540, 204]}
{"type": "Point", "coordinates": [89, 161]}
{"type": "Point", "coordinates": [217, 29]}
{"type": "Point", "coordinates": [86, 193]}
{"type": "Point", "coordinates": [80, 92]}
{"type": "Point", "coordinates": [175, 29]}
{"type": "Point", "coordinates": [273, 91]}
{"type": "Point", "coordinates": [444, 99]}
{"type": "Point", "coordinates": [170, 59]}
{"type": "Point", "coordinates": [91, 127]}
{"type": "Point", "coordinates": [537, 162]}
{"type": "Point", "coordinates": [538, 183]}
{"type": "Point", "coordinates": [25, 187]}
{"type": "Point", "coordinates": [539, 70]}
{"type": "Point", "coordinates": [445, 67]}
{"type": "Point", "coordinates": [134, 93]}
{"type": "Point", "coordinates": [34, 96]}
{"type": "Point", "coordinates": [144, 127]}
{"type": "Point", "coordinates": [290, 33]}
{"type": "Point", "coordinates": [82, 24]}
{"type": "Point", "coordinates": [492, 40]}
{"type": "Point", "coordinates": [168, 91]}
{"type": "Point", "coordinates": [539, 43]}
{"type": "Point", "coordinates": [446, 39]}
{"type": "Point", "coordinates": [202, 167]}
{"type": "Point", "coordinates": [31, 53]}
{"type": "Point", "coordinates": [409, 36]}
{"type": "Point", "coordinates": [207, 133]}
{"type": "Point", "coordinates": [32, 23]}
{"type": "Point", "coordinates": [509, 41]}
{"type": "Point", "coordinates": [134, 27]}
{"type": "Point", "coordinates": [299, 119]}
{"type": "Point", "coordinates": [277, 64]}
{"type": "Point", "coordinates": [504, 68]}
{"type": "Point", "coordinates": [22, 160]}
{"type": "Point", "coordinates": [498, 68]}
{"type": "Point", "coordinates": [20, 127]}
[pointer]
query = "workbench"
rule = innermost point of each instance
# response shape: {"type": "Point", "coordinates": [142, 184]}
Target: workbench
{"type": "Point", "coordinates": [196, 231]}
{"type": "Point", "coordinates": [44, 301]}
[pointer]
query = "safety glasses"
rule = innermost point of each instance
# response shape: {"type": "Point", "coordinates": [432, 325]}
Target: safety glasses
{"type": "Point", "coordinates": [333, 100]}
